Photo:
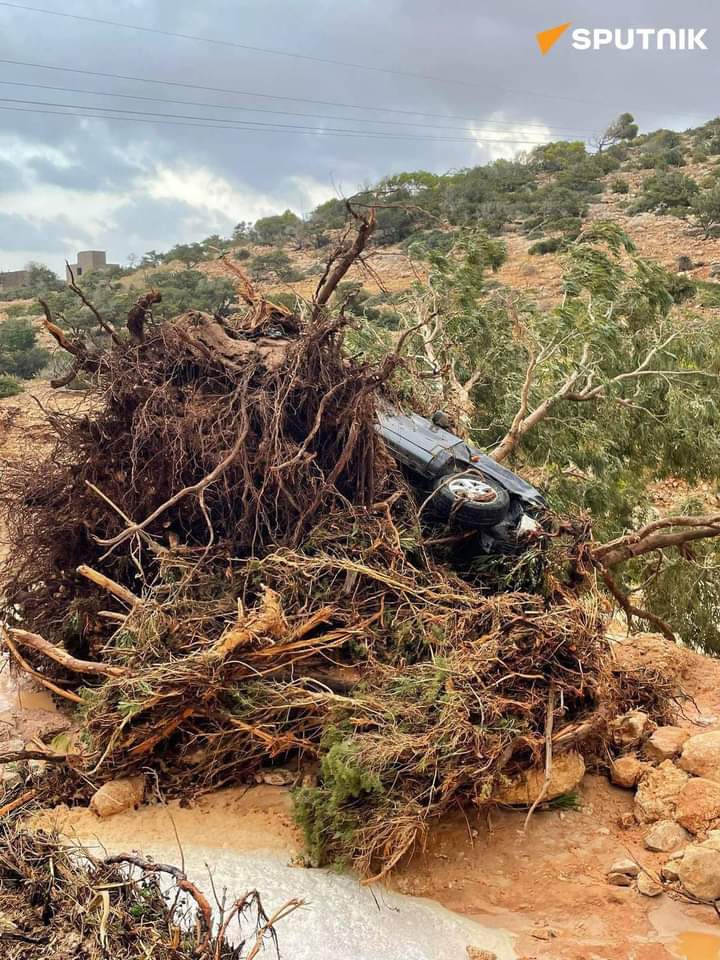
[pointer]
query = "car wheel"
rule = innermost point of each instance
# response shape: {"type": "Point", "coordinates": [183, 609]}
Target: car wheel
{"type": "Point", "coordinates": [470, 498]}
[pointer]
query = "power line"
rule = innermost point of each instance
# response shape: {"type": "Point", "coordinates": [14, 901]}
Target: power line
{"type": "Point", "coordinates": [271, 96]}
{"type": "Point", "coordinates": [224, 106]}
{"type": "Point", "coordinates": [236, 44]}
{"type": "Point", "coordinates": [308, 57]}
{"type": "Point", "coordinates": [246, 125]}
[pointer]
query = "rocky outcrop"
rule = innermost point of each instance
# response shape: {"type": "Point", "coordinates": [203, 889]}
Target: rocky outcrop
{"type": "Point", "coordinates": [701, 755]}
{"type": "Point", "coordinates": [658, 791]}
{"type": "Point", "coordinates": [631, 729]}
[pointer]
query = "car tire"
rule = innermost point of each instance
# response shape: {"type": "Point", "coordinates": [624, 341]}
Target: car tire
{"type": "Point", "coordinates": [452, 499]}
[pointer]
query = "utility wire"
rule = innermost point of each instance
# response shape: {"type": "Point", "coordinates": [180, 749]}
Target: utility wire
{"type": "Point", "coordinates": [484, 83]}
{"type": "Point", "coordinates": [224, 106]}
{"type": "Point", "coordinates": [246, 125]}
{"type": "Point", "coordinates": [271, 96]}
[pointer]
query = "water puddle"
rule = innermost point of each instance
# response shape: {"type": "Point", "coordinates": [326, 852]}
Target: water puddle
{"type": "Point", "coordinates": [693, 945]}
{"type": "Point", "coordinates": [341, 919]}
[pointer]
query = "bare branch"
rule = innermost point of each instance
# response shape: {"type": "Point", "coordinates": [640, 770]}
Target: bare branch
{"type": "Point", "coordinates": [343, 259]}
{"type": "Point", "coordinates": [658, 535]}
{"type": "Point", "coordinates": [80, 294]}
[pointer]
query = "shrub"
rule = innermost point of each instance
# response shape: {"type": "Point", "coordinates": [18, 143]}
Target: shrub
{"type": "Point", "coordinates": [705, 209]}
{"type": "Point", "coordinates": [619, 185]}
{"type": "Point", "coordinates": [9, 387]}
{"type": "Point", "coordinates": [277, 262]}
{"type": "Point", "coordinates": [548, 245]}
{"type": "Point", "coordinates": [666, 192]}
{"type": "Point", "coordinates": [19, 354]}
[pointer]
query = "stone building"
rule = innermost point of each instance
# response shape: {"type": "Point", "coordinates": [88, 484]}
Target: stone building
{"type": "Point", "coordinates": [12, 279]}
{"type": "Point", "coordinates": [88, 260]}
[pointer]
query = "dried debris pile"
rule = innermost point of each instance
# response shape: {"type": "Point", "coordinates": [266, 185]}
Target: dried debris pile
{"type": "Point", "coordinates": [223, 569]}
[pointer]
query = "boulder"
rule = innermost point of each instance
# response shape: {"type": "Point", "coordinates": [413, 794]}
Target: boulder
{"type": "Point", "coordinates": [568, 769]}
{"type": "Point", "coordinates": [701, 755]}
{"type": "Point", "coordinates": [626, 866]}
{"type": "Point", "coordinates": [699, 872]}
{"type": "Point", "coordinates": [118, 795]}
{"type": "Point", "coordinates": [715, 269]}
{"type": "Point", "coordinates": [631, 728]}
{"type": "Point", "coordinates": [666, 836]}
{"type": "Point", "coordinates": [626, 771]}
{"type": "Point", "coordinates": [647, 886]}
{"type": "Point", "coordinates": [657, 792]}
{"type": "Point", "coordinates": [665, 743]}
{"type": "Point", "coordinates": [697, 806]}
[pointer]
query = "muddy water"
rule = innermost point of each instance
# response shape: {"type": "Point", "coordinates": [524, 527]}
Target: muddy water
{"type": "Point", "coordinates": [697, 946]}
{"type": "Point", "coordinates": [246, 840]}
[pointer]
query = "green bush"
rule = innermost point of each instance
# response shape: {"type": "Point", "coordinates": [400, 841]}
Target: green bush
{"type": "Point", "coordinates": [9, 387]}
{"type": "Point", "coordinates": [548, 245]}
{"type": "Point", "coordinates": [619, 185]}
{"type": "Point", "coordinates": [277, 262]}
{"type": "Point", "coordinates": [666, 192]}
{"type": "Point", "coordinates": [19, 354]}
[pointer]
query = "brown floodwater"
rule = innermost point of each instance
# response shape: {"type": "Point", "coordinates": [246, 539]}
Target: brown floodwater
{"type": "Point", "coordinates": [697, 946]}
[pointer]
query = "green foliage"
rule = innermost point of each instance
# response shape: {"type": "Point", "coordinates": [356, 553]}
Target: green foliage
{"type": "Point", "coordinates": [619, 185]}
{"type": "Point", "coordinates": [623, 128]}
{"type": "Point", "coordinates": [276, 263]}
{"type": "Point", "coordinates": [276, 230]}
{"type": "Point", "coordinates": [181, 290]}
{"type": "Point", "coordinates": [325, 813]}
{"type": "Point", "coordinates": [561, 155]}
{"type": "Point", "coordinates": [666, 192]}
{"type": "Point", "coordinates": [19, 354]}
{"type": "Point", "coordinates": [548, 245]}
{"type": "Point", "coordinates": [705, 209]}
{"type": "Point", "coordinates": [9, 387]}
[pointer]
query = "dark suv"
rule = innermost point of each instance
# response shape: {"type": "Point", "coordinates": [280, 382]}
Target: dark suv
{"type": "Point", "coordinates": [462, 483]}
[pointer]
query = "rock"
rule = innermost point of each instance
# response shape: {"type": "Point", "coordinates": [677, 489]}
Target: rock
{"type": "Point", "coordinates": [647, 886]}
{"type": "Point", "coordinates": [475, 953]}
{"type": "Point", "coordinates": [715, 269]}
{"type": "Point", "coordinates": [568, 769]}
{"type": "Point", "coordinates": [620, 879]}
{"type": "Point", "coordinates": [657, 792]}
{"type": "Point", "coordinates": [118, 795]}
{"type": "Point", "coordinates": [668, 872]}
{"type": "Point", "coordinates": [626, 771]}
{"type": "Point", "coordinates": [632, 728]}
{"type": "Point", "coordinates": [666, 836]}
{"type": "Point", "coordinates": [666, 743]}
{"type": "Point", "coordinates": [701, 755]}
{"type": "Point", "coordinates": [699, 873]}
{"type": "Point", "coordinates": [626, 865]}
{"type": "Point", "coordinates": [279, 777]}
{"type": "Point", "coordinates": [697, 805]}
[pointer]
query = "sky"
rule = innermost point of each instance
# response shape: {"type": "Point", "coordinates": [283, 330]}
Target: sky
{"type": "Point", "coordinates": [334, 96]}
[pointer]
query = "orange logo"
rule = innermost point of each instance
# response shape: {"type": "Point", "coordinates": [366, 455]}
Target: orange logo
{"type": "Point", "coordinates": [548, 38]}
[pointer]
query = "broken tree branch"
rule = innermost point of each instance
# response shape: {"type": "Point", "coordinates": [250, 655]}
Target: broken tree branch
{"type": "Point", "coordinates": [61, 656]}
{"type": "Point", "coordinates": [658, 535]}
{"type": "Point", "coordinates": [343, 259]}
{"type": "Point", "coordinates": [91, 306]}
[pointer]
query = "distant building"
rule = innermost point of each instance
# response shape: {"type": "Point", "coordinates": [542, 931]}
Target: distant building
{"type": "Point", "coordinates": [88, 260]}
{"type": "Point", "coordinates": [12, 279]}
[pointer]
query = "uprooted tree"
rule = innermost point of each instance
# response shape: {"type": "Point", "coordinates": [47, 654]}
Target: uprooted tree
{"type": "Point", "coordinates": [222, 568]}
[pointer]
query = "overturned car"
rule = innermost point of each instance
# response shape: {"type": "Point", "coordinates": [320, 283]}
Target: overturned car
{"type": "Point", "coordinates": [462, 484]}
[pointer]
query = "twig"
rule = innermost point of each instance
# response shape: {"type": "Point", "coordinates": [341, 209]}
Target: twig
{"type": "Point", "coordinates": [548, 755]}
{"type": "Point", "coordinates": [116, 589]}
{"type": "Point", "coordinates": [79, 293]}
{"type": "Point", "coordinates": [67, 694]}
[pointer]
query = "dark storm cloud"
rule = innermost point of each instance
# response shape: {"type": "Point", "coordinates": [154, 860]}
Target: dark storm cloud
{"type": "Point", "coordinates": [483, 58]}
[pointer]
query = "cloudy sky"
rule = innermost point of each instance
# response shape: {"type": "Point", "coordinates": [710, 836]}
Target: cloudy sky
{"type": "Point", "coordinates": [91, 157]}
